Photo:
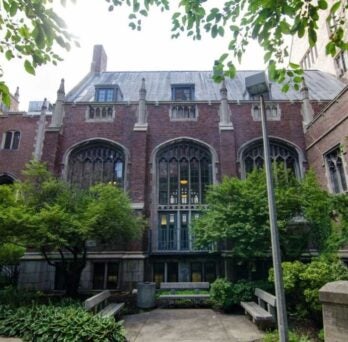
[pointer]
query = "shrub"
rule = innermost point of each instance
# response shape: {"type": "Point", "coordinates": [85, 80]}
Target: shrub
{"type": "Point", "coordinates": [14, 297]}
{"type": "Point", "coordinates": [58, 323]}
{"type": "Point", "coordinates": [302, 283]}
{"type": "Point", "coordinates": [293, 337]}
{"type": "Point", "coordinates": [225, 294]}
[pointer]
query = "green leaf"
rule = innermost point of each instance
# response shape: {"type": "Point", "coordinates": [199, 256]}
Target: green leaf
{"type": "Point", "coordinates": [322, 4]}
{"type": "Point", "coordinates": [335, 7]}
{"type": "Point", "coordinates": [29, 68]}
{"type": "Point", "coordinates": [312, 36]}
{"type": "Point", "coordinates": [9, 55]}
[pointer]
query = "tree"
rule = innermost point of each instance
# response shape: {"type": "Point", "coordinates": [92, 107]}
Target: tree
{"type": "Point", "coordinates": [30, 30]}
{"type": "Point", "coordinates": [61, 219]}
{"type": "Point", "coordinates": [269, 22]}
{"type": "Point", "coordinates": [238, 213]}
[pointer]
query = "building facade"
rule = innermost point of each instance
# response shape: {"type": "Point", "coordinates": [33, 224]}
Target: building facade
{"type": "Point", "coordinates": [315, 57]}
{"type": "Point", "coordinates": [163, 137]}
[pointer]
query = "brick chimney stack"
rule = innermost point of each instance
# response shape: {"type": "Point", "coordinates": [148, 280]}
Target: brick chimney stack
{"type": "Point", "coordinates": [99, 61]}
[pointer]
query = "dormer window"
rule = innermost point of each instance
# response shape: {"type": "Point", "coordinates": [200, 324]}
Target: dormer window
{"type": "Point", "coordinates": [183, 92]}
{"type": "Point", "coordinates": [107, 93]}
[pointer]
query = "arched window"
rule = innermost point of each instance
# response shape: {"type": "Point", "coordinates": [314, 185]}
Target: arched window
{"type": "Point", "coordinates": [184, 170]}
{"type": "Point", "coordinates": [96, 162]}
{"type": "Point", "coordinates": [6, 179]}
{"type": "Point", "coordinates": [281, 154]}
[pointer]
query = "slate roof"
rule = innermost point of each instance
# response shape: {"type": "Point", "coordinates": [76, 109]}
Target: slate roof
{"type": "Point", "coordinates": [322, 86]}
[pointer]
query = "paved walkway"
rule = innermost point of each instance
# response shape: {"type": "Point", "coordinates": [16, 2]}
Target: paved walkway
{"type": "Point", "coordinates": [189, 325]}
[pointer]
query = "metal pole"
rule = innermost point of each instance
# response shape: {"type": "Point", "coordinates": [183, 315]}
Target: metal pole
{"type": "Point", "coordinates": [278, 276]}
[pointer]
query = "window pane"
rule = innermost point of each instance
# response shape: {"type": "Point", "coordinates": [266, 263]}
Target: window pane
{"type": "Point", "coordinates": [15, 142]}
{"type": "Point", "coordinates": [112, 276]}
{"type": "Point", "coordinates": [184, 181]}
{"type": "Point", "coordinates": [8, 139]}
{"type": "Point", "coordinates": [336, 171]}
{"type": "Point", "coordinates": [196, 272]}
{"type": "Point", "coordinates": [105, 94]}
{"type": "Point", "coordinates": [172, 272]}
{"type": "Point", "coordinates": [163, 182]}
{"type": "Point", "coordinates": [184, 233]}
{"type": "Point", "coordinates": [194, 193]}
{"type": "Point", "coordinates": [210, 271]}
{"type": "Point", "coordinates": [173, 185]}
{"type": "Point", "coordinates": [158, 273]}
{"type": "Point", "coordinates": [98, 275]}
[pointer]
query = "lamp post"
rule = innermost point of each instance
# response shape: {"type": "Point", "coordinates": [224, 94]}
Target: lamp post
{"type": "Point", "coordinates": [257, 85]}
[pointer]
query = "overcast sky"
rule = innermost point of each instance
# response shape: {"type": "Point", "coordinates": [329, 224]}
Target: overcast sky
{"type": "Point", "coordinates": [150, 49]}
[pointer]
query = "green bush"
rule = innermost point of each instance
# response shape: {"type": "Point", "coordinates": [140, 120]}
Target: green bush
{"type": "Point", "coordinates": [225, 295]}
{"type": "Point", "coordinates": [302, 283]}
{"type": "Point", "coordinates": [71, 323]}
{"type": "Point", "coordinates": [14, 297]}
{"type": "Point", "coordinates": [293, 337]}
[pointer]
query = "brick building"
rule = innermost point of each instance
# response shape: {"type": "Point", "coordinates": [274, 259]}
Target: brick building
{"type": "Point", "coordinates": [162, 136]}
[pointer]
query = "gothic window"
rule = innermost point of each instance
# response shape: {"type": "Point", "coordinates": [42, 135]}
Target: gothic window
{"type": "Point", "coordinates": [6, 179]}
{"type": "Point", "coordinates": [11, 140]}
{"type": "Point", "coordinates": [272, 111]}
{"type": "Point", "coordinates": [184, 172]}
{"type": "Point", "coordinates": [335, 167]}
{"type": "Point", "coordinates": [341, 63]}
{"type": "Point", "coordinates": [281, 154]}
{"type": "Point", "coordinates": [96, 162]}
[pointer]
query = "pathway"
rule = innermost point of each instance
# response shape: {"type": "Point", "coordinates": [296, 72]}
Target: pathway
{"type": "Point", "coordinates": [189, 325]}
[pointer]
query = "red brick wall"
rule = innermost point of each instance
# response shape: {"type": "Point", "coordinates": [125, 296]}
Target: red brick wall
{"type": "Point", "coordinates": [328, 130]}
{"type": "Point", "coordinates": [13, 161]}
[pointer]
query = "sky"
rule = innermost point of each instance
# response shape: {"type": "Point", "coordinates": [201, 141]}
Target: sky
{"type": "Point", "coordinates": [127, 50]}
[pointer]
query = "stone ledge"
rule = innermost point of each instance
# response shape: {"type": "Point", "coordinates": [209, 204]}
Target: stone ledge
{"type": "Point", "coordinates": [334, 292]}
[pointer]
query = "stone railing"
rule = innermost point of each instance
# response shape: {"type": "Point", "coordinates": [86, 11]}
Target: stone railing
{"type": "Point", "coordinates": [100, 112]}
{"type": "Point", "coordinates": [183, 111]}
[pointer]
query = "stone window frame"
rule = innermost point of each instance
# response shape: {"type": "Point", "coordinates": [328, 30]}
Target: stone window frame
{"type": "Point", "coordinates": [156, 207]}
{"type": "Point", "coordinates": [13, 146]}
{"type": "Point", "coordinates": [299, 171]}
{"type": "Point", "coordinates": [99, 107]}
{"type": "Point", "coordinates": [116, 93]}
{"type": "Point", "coordinates": [67, 153]}
{"type": "Point", "coordinates": [342, 183]}
{"type": "Point", "coordinates": [181, 86]}
{"type": "Point", "coordinates": [269, 107]}
{"type": "Point", "coordinates": [106, 274]}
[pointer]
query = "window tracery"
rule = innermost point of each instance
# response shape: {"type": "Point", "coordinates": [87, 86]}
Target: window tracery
{"type": "Point", "coordinates": [96, 162]}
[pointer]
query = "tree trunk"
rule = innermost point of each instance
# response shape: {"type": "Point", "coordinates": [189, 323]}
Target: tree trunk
{"type": "Point", "coordinates": [70, 267]}
{"type": "Point", "coordinates": [72, 280]}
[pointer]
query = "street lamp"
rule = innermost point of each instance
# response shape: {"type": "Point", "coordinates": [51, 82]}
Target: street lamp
{"type": "Point", "coordinates": [257, 85]}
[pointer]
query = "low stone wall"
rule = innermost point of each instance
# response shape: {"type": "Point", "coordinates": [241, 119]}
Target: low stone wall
{"type": "Point", "coordinates": [334, 297]}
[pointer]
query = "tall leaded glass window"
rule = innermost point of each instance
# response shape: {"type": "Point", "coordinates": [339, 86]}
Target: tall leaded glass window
{"type": "Point", "coordinates": [281, 154]}
{"type": "Point", "coordinates": [335, 167]}
{"type": "Point", "coordinates": [184, 171]}
{"type": "Point", "coordinates": [96, 162]}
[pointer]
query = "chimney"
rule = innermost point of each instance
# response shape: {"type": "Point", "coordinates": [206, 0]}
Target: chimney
{"type": "Point", "coordinates": [99, 61]}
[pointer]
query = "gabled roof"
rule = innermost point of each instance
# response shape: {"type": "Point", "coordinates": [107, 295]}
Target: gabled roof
{"type": "Point", "coordinates": [322, 86]}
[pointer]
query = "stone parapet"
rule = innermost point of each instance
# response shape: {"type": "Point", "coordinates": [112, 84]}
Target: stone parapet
{"type": "Point", "coordinates": [334, 297]}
